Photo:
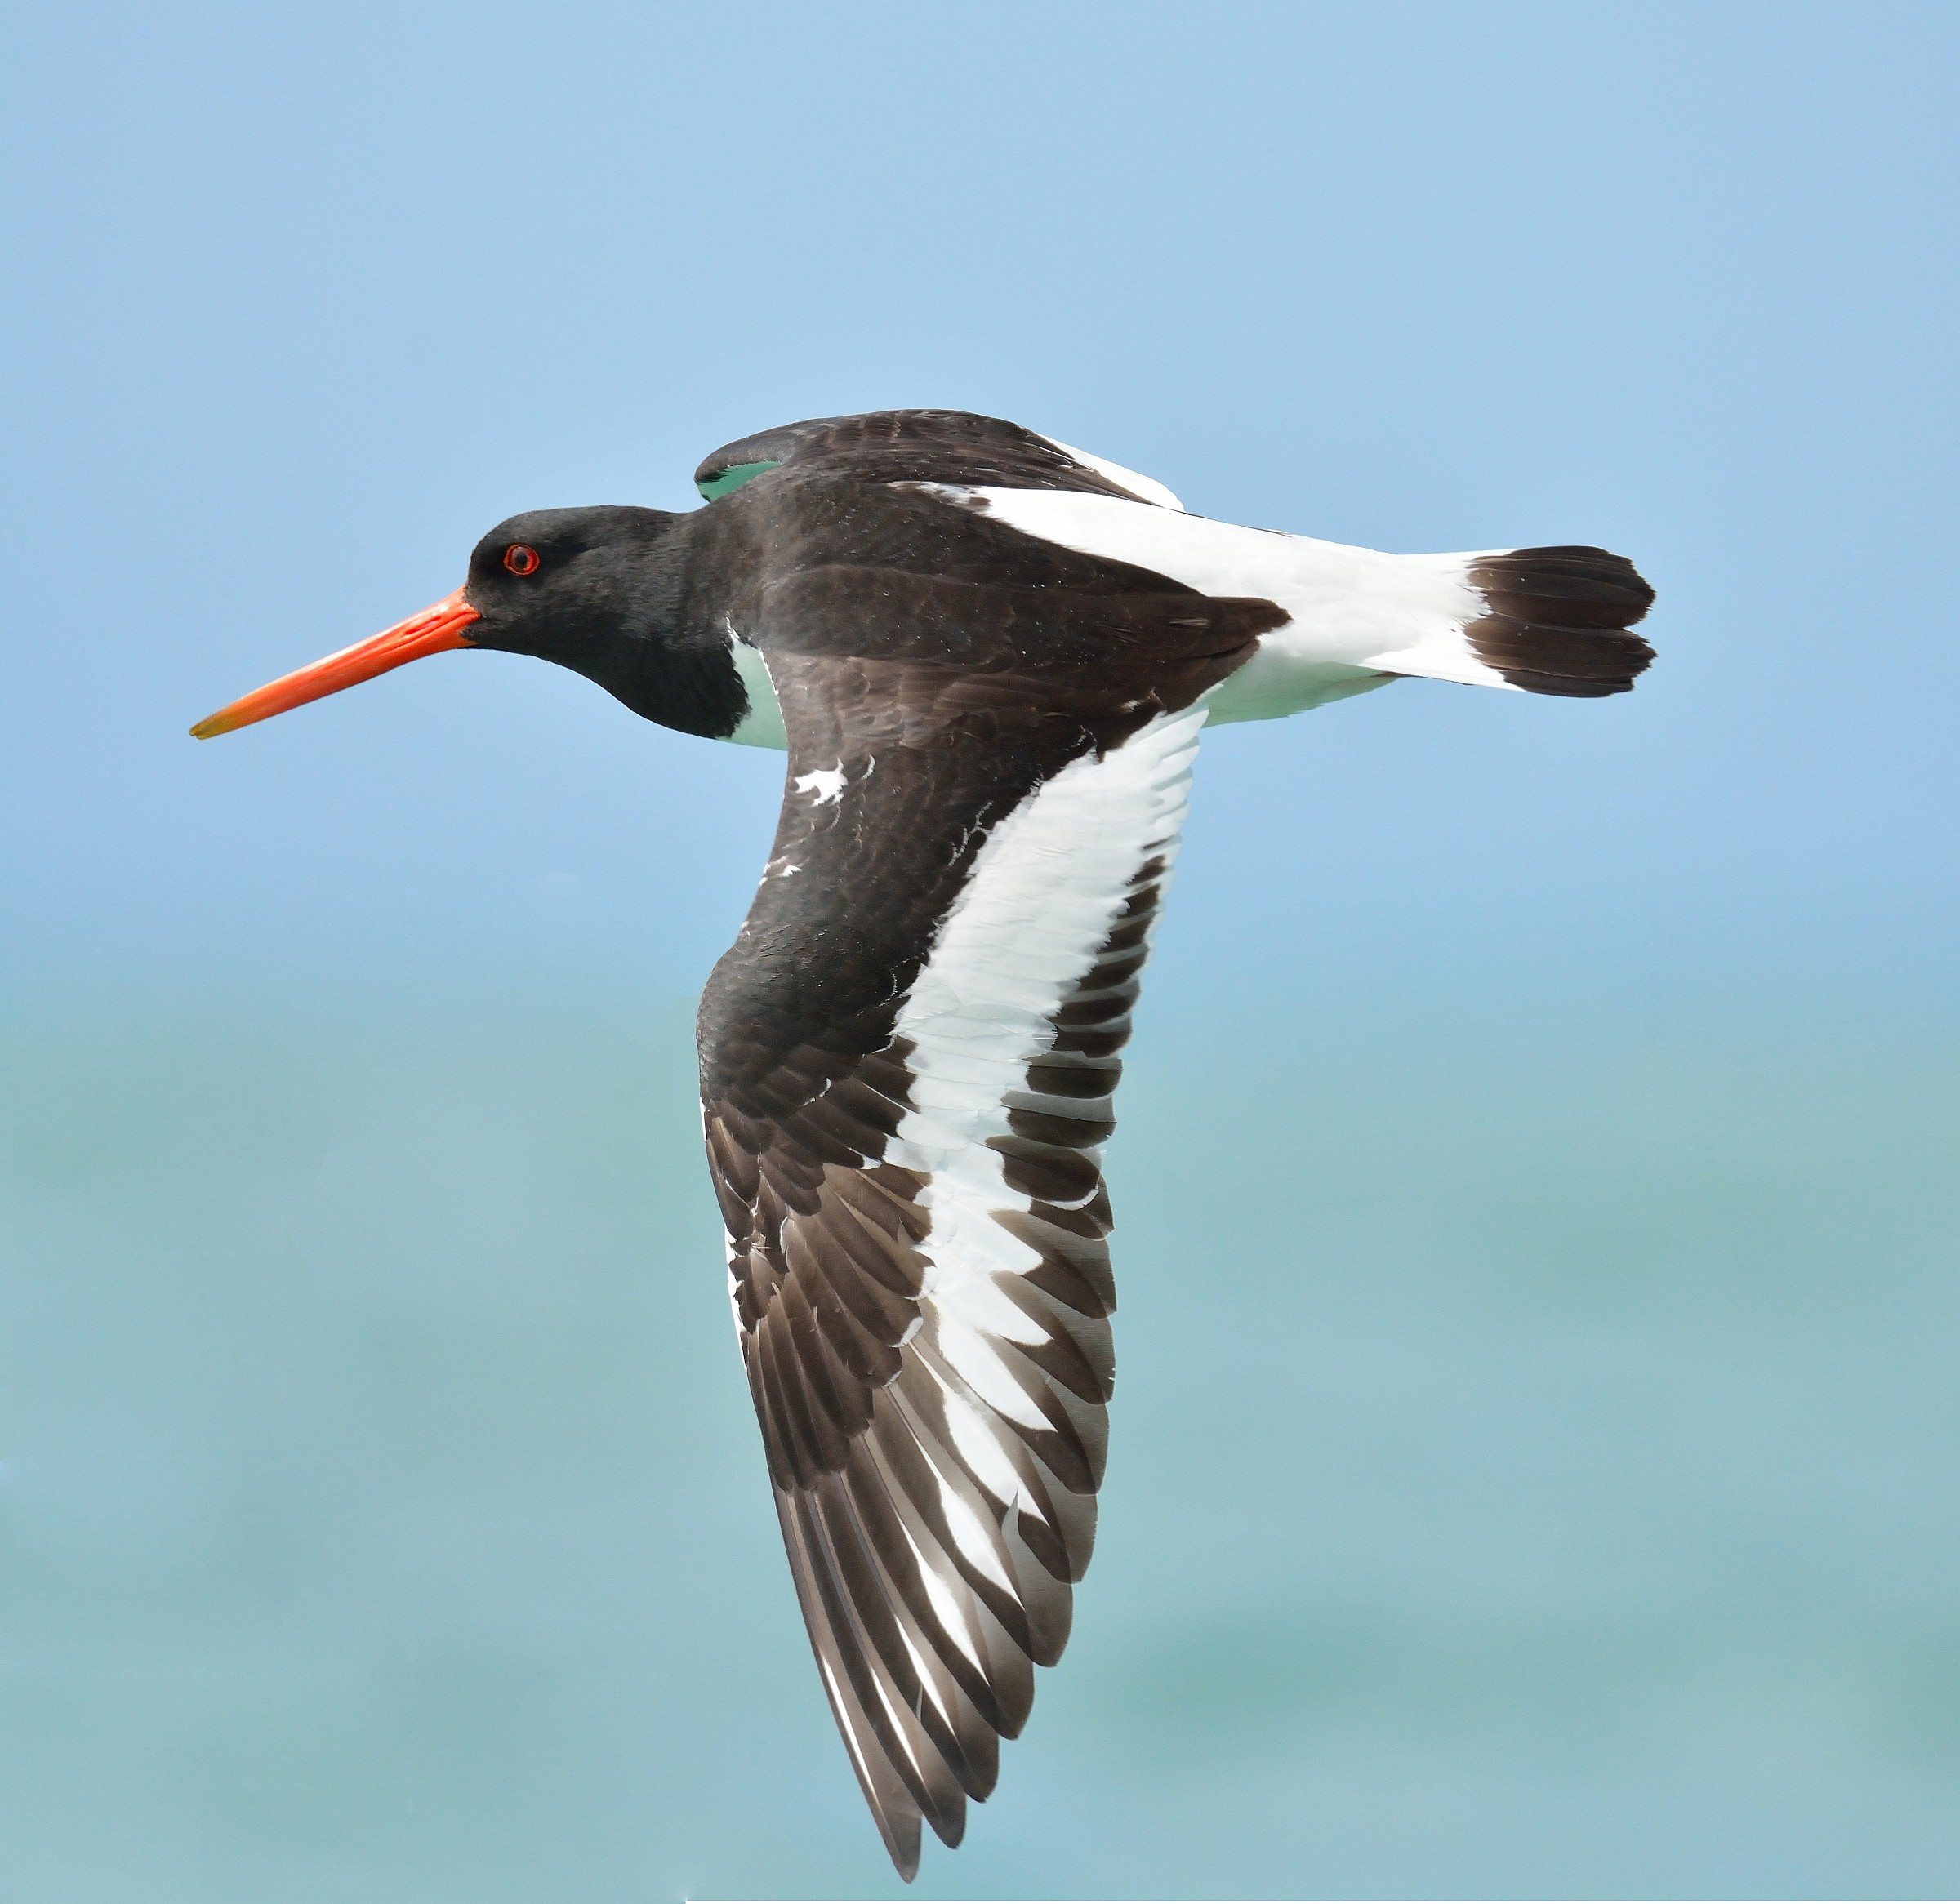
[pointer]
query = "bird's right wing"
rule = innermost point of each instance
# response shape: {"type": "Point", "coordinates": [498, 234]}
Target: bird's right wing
{"type": "Point", "coordinates": [907, 1059]}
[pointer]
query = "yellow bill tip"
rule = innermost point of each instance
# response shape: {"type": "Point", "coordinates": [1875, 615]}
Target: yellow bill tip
{"type": "Point", "coordinates": [429, 633]}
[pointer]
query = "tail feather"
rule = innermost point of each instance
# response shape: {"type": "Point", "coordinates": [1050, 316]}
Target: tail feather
{"type": "Point", "coordinates": [1556, 620]}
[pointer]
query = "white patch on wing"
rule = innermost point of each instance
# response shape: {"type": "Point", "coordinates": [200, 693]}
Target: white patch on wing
{"type": "Point", "coordinates": [969, 1536]}
{"type": "Point", "coordinates": [1046, 889]}
{"type": "Point", "coordinates": [1356, 615]}
{"type": "Point", "coordinates": [946, 1609]}
{"type": "Point", "coordinates": [973, 1437]}
{"type": "Point", "coordinates": [825, 786]}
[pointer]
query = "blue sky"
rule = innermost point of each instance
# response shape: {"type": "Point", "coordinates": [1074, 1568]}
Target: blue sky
{"type": "Point", "coordinates": [304, 303]}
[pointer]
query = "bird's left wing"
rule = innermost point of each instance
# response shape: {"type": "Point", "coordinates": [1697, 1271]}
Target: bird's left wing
{"type": "Point", "coordinates": [923, 446]}
{"type": "Point", "coordinates": [907, 1063]}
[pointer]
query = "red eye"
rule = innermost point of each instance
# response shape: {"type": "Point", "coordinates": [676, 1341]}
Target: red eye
{"type": "Point", "coordinates": [521, 558]}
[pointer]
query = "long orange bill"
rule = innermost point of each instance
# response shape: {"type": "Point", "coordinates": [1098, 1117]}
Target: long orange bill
{"type": "Point", "coordinates": [426, 634]}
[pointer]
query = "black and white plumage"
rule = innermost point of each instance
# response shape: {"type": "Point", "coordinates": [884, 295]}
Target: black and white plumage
{"type": "Point", "coordinates": [990, 658]}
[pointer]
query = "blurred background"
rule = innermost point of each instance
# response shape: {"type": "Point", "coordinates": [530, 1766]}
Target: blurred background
{"type": "Point", "coordinates": [1536, 1458]}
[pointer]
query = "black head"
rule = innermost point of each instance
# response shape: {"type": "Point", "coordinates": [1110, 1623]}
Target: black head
{"type": "Point", "coordinates": [557, 582]}
{"type": "Point", "coordinates": [601, 591]}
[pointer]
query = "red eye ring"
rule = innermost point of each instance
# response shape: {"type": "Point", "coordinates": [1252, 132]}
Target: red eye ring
{"type": "Point", "coordinates": [521, 558]}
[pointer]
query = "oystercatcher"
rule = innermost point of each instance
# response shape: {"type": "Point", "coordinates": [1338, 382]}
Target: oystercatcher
{"type": "Point", "coordinates": [989, 657]}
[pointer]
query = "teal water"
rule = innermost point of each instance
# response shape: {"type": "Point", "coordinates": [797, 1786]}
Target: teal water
{"type": "Point", "coordinates": [1534, 1472]}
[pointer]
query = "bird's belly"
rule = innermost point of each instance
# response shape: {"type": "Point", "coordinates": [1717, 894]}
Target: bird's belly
{"type": "Point", "coordinates": [1276, 683]}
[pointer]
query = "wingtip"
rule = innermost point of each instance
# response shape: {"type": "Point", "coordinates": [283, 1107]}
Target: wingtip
{"type": "Point", "coordinates": [901, 1839]}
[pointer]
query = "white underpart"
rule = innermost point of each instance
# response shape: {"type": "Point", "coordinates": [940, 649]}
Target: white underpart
{"type": "Point", "coordinates": [762, 725]}
{"type": "Point", "coordinates": [1148, 487]}
{"type": "Point", "coordinates": [1356, 613]}
{"type": "Point", "coordinates": [1045, 892]}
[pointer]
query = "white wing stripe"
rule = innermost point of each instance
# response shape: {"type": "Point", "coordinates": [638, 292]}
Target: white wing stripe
{"type": "Point", "coordinates": [946, 1609]}
{"type": "Point", "coordinates": [1047, 887]}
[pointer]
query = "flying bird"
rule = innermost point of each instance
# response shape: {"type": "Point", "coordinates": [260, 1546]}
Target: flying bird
{"type": "Point", "coordinates": [989, 657]}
